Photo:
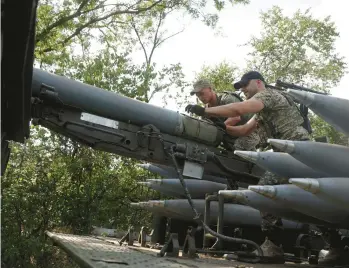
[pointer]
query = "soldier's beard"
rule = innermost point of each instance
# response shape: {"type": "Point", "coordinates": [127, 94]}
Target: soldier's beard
{"type": "Point", "coordinates": [249, 95]}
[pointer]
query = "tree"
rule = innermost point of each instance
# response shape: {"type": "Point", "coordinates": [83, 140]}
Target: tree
{"type": "Point", "coordinates": [62, 22]}
{"type": "Point", "coordinates": [149, 35]}
{"type": "Point", "coordinates": [299, 49]}
{"type": "Point", "coordinates": [322, 128]}
{"type": "Point", "coordinates": [55, 184]}
{"type": "Point", "coordinates": [222, 75]}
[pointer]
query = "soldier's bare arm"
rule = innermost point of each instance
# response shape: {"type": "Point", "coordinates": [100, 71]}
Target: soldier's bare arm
{"type": "Point", "coordinates": [236, 109]}
{"type": "Point", "coordinates": [232, 121]}
{"type": "Point", "coordinates": [242, 130]}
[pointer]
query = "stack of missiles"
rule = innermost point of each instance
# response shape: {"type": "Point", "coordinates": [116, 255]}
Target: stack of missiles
{"type": "Point", "coordinates": [318, 176]}
{"type": "Point", "coordinates": [179, 208]}
{"type": "Point", "coordinates": [171, 185]}
{"type": "Point", "coordinates": [235, 214]}
{"type": "Point", "coordinates": [318, 173]}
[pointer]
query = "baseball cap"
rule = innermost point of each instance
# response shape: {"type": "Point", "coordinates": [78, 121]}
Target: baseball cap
{"type": "Point", "coordinates": [201, 84]}
{"type": "Point", "coordinates": [247, 77]}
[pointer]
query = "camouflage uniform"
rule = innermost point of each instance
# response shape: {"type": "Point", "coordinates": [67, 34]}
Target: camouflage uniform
{"type": "Point", "coordinates": [279, 119]}
{"type": "Point", "coordinates": [245, 143]}
{"type": "Point", "coordinates": [223, 99]}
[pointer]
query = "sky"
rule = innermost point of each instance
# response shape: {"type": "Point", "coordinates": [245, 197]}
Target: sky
{"type": "Point", "coordinates": [199, 44]}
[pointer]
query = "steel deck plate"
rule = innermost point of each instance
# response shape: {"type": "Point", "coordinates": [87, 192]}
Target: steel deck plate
{"type": "Point", "coordinates": [98, 252]}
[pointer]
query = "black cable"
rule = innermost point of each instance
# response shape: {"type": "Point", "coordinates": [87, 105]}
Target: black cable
{"type": "Point", "coordinates": [207, 228]}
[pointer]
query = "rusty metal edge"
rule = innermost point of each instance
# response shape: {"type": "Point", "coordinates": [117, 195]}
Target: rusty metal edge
{"type": "Point", "coordinates": [80, 261]}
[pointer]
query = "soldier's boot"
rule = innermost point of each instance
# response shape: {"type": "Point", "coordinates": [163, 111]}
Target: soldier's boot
{"type": "Point", "coordinates": [271, 252]}
{"type": "Point", "coordinates": [335, 256]}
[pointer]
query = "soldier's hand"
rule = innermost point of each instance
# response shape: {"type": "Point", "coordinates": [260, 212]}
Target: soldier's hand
{"type": "Point", "coordinates": [195, 109]}
{"type": "Point", "coordinates": [221, 125]}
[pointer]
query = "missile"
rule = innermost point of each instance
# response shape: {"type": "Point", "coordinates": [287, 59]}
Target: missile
{"type": "Point", "coordinates": [281, 164]}
{"type": "Point", "coordinates": [334, 190]}
{"type": "Point", "coordinates": [313, 155]}
{"type": "Point", "coordinates": [304, 202]}
{"type": "Point", "coordinates": [333, 110]}
{"type": "Point", "coordinates": [206, 177]}
{"type": "Point", "coordinates": [164, 172]}
{"type": "Point", "coordinates": [107, 121]}
{"type": "Point", "coordinates": [162, 190]}
{"type": "Point", "coordinates": [234, 214]}
{"type": "Point", "coordinates": [170, 172]}
{"type": "Point", "coordinates": [265, 204]}
{"type": "Point", "coordinates": [197, 188]}
{"type": "Point", "coordinates": [157, 207]}
{"type": "Point", "coordinates": [59, 89]}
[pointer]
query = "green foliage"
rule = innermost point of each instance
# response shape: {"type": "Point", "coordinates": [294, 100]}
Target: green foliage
{"type": "Point", "coordinates": [299, 49]}
{"type": "Point", "coordinates": [62, 22]}
{"type": "Point", "coordinates": [54, 184]}
{"type": "Point", "coordinates": [197, 9]}
{"type": "Point", "coordinates": [222, 75]}
{"type": "Point", "coordinates": [322, 128]}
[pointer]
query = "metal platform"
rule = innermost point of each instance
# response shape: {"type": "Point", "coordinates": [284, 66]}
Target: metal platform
{"type": "Point", "coordinates": [101, 252]}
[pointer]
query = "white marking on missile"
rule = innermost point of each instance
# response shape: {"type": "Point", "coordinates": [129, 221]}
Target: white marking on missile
{"type": "Point", "coordinates": [95, 119]}
{"type": "Point", "coordinates": [309, 185]}
{"type": "Point", "coordinates": [283, 145]}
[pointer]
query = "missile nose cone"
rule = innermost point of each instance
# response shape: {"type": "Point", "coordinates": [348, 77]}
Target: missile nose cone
{"type": "Point", "coordinates": [248, 155]}
{"type": "Point", "coordinates": [157, 203]}
{"type": "Point", "coordinates": [151, 203]}
{"type": "Point", "coordinates": [268, 190]}
{"type": "Point", "coordinates": [154, 181]}
{"type": "Point", "coordinates": [144, 166]}
{"type": "Point", "coordinates": [310, 185]}
{"type": "Point", "coordinates": [283, 145]}
{"type": "Point", "coordinates": [146, 183]}
{"type": "Point", "coordinates": [304, 97]}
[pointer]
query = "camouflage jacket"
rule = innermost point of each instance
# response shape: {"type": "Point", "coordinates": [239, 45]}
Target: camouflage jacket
{"type": "Point", "coordinates": [279, 119]}
{"type": "Point", "coordinates": [223, 99]}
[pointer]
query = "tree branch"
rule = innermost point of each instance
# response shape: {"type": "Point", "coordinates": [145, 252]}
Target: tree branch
{"type": "Point", "coordinates": [170, 36]}
{"type": "Point", "coordinates": [61, 21]}
{"type": "Point", "coordinates": [92, 21]}
{"type": "Point", "coordinates": [109, 46]}
{"type": "Point", "coordinates": [140, 41]}
{"type": "Point", "coordinates": [156, 40]}
{"type": "Point", "coordinates": [287, 65]}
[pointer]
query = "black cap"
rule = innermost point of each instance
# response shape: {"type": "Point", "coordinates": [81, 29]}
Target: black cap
{"type": "Point", "coordinates": [247, 77]}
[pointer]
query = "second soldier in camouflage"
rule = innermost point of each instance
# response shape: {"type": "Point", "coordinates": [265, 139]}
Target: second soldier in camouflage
{"type": "Point", "coordinates": [205, 91]}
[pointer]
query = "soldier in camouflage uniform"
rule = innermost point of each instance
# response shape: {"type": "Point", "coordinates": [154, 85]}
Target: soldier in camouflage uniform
{"type": "Point", "coordinates": [204, 90]}
{"type": "Point", "coordinates": [276, 116]}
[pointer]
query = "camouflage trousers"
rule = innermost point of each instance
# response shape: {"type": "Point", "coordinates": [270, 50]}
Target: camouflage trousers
{"type": "Point", "coordinates": [270, 222]}
{"type": "Point", "coordinates": [247, 143]}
